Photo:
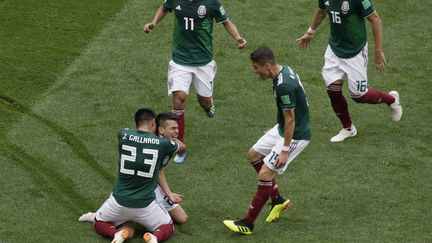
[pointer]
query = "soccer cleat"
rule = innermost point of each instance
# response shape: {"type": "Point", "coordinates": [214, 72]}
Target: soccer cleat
{"type": "Point", "coordinates": [396, 108]}
{"type": "Point", "coordinates": [87, 217]}
{"type": "Point", "coordinates": [277, 209]}
{"type": "Point", "coordinates": [120, 236]}
{"type": "Point", "coordinates": [180, 158]}
{"type": "Point", "coordinates": [344, 134]}
{"type": "Point", "coordinates": [150, 238]}
{"type": "Point", "coordinates": [211, 111]}
{"type": "Point", "coordinates": [239, 226]}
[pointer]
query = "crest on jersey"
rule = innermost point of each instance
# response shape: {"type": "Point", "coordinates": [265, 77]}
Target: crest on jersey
{"type": "Point", "coordinates": [345, 7]}
{"type": "Point", "coordinates": [202, 11]}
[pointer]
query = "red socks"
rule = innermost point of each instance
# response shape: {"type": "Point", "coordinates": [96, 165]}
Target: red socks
{"type": "Point", "coordinates": [339, 104]}
{"type": "Point", "coordinates": [105, 229]}
{"type": "Point", "coordinates": [181, 123]}
{"type": "Point", "coordinates": [262, 194]}
{"type": "Point", "coordinates": [374, 96]}
{"type": "Point", "coordinates": [275, 189]}
{"type": "Point", "coordinates": [164, 232]}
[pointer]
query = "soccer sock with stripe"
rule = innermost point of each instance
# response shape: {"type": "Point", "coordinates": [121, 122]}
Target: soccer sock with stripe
{"type": "Point", "coordinates": [275, 189]}
{"type": "Point", "coordinates": [261, 196]}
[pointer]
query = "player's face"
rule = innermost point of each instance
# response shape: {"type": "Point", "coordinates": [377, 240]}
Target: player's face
{"type": "Point", "coordinates": [170, 129]}
{"type": "Point", "coordinates": [263, 70]}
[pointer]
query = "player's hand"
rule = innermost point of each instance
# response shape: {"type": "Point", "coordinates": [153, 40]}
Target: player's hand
{"type": "Point", "coordinates": [380, 61]}
{"type": "Point", "coordinates": [282, 159]}
{"type": "Point", "coordinates": [241, 43]}
{"type": "Point", "coordinates": [305, 41]}
{"type": "Point", "coordinates": [148, 27]}
{"type": "Point", "coordinates": [175, 198]}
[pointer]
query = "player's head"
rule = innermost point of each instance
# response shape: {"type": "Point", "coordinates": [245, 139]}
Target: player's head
{"type": "Point", "coordinates": [145, 117]}
{"type": "Point", "coordinates": [167, 125]}
{"type": "Point", "coordinates": [263, 60]}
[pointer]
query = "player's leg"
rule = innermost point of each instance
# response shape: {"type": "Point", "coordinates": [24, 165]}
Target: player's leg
{"type": "Point", "coordinates": [262, 194]}
{"type": "Point", "coordinates": [203, 81]}
{"type": "Point", "coordinates": [280, 204]}
{"type": "Point", "coordinates": [358, 85]}
{"type": "Point", "coordinates": [176, 212]}
{"type": "Point", "coordinates": [179, 81]}
{"type": "Point", "coordinates": [108, 217]}
{"type": "Point", "coordinates": [157, 221]}
{"type": "Point", "coordinates": [257, 153]}
{"type": "Point", "coordinates": [333, 75]}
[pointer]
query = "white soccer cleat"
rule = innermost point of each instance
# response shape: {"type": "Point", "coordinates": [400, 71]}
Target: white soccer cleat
{"type": "Point", "coordinates": [120, 236]}
{"type": "Point", "coordinates": [150, 238]}
{"type": "Point", "coordinates": [396, 108]}
{"type": "Point", "coordinates": [87, 217]}
{"type": "Point", "coordinates": [344, 134]}
{"type": "Point", "coordinates": [180, 158]}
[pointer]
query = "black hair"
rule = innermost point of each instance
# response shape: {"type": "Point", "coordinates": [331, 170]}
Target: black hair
{"type": "Point", "coordinates": [263, 55]}
{"type": "Point", "coordinates": [144, 115]}
{"type": "Point", "coordinates": [164, 116]}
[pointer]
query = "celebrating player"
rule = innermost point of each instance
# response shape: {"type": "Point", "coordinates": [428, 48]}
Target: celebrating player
{"type": "Point", "coordinates": [133, 198]}
{"type": "Point", "coordinates": [166, 125]}
{"type": "Point", "coordinates": [192, 53]}
{"type": "Point", "coordinates": [347, 56]}
{"type": "Point", "coordinates": [277, 148]}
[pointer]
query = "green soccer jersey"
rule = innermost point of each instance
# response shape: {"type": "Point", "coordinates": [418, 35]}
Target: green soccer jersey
{"type": "Point", "coordinates": [290, 94]}
{"type": "Point", "coordinates": [141, 155]}
{"type": "Point", "coordinates": [193, 27]}
{"type": "Point", "coordinates": [347, 25]}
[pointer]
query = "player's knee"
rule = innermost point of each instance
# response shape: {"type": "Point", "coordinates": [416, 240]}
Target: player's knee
{"type": "Point", "coordinates": [182, 219]}
{"type": "Point", "coordinates": [252, 155]}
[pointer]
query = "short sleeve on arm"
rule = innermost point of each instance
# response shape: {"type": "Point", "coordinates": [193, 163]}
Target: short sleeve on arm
{"type": "Point", "coordinates": [286, 97]}
{"type": "Point", "coordinates": [167, 5]}
{"type": "Point", "coordinates": [219, 13]}
{"type": "Point", "coordinates": [321, 4]}
{"type": "Point", "coordinates": [366, 8]}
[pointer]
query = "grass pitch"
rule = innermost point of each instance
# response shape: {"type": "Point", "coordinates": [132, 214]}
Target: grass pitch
{"type": "Point", "coordinates": [73, 73]}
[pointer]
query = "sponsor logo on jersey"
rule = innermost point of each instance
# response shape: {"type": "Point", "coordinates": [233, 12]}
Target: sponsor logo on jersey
{"type": "Point", "coordinates": [327, 3]}
{"type": "Point", "coordinates": [345, 7]}
{"type": "Point", "coordinates": [178, 7]}
{"type": "Point", "coordinates": [366, 4]}
{"type": "Point", "coordinates": [202, 11]}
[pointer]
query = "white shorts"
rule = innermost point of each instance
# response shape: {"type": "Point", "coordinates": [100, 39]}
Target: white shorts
{"type": "Point", "coordinates": [355, 69]}
{"type": "Point", "coordinates": [180, 78]}
{"type": "Point", "coordinates": [163, 200]}
{"type": "Point", "coordinates": [151, 217]}
{"type": "Point", "coordinates": [270, 145]}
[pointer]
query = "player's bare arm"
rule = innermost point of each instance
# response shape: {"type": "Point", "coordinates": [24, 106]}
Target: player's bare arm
{"type": "Point", "coordinates": [159, 16]}
{"type": "Point", "coordinates": [233, 31]}
{"type": "Point", "coordinates": [306, 40]}
{"type": "Point", "coordinates": [376, 23]}
{"type": "Point", "coordinates": [173, 197]}
{"type": "Point", "coordinates": [288, 134]}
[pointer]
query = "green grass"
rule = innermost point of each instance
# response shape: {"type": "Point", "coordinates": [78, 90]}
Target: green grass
{"type": "Point", "coordinates": [73, 73]}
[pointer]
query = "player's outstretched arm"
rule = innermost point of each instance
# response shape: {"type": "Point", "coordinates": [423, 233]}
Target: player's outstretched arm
{"type": "Point", "coordinates": [306, 40]}
{"type": "Point", "coordinates": [159, 16]}
{"type": "Point", "coordinates": [379, 60]}
{"type": "Point", "coordinates": [233, 31]}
